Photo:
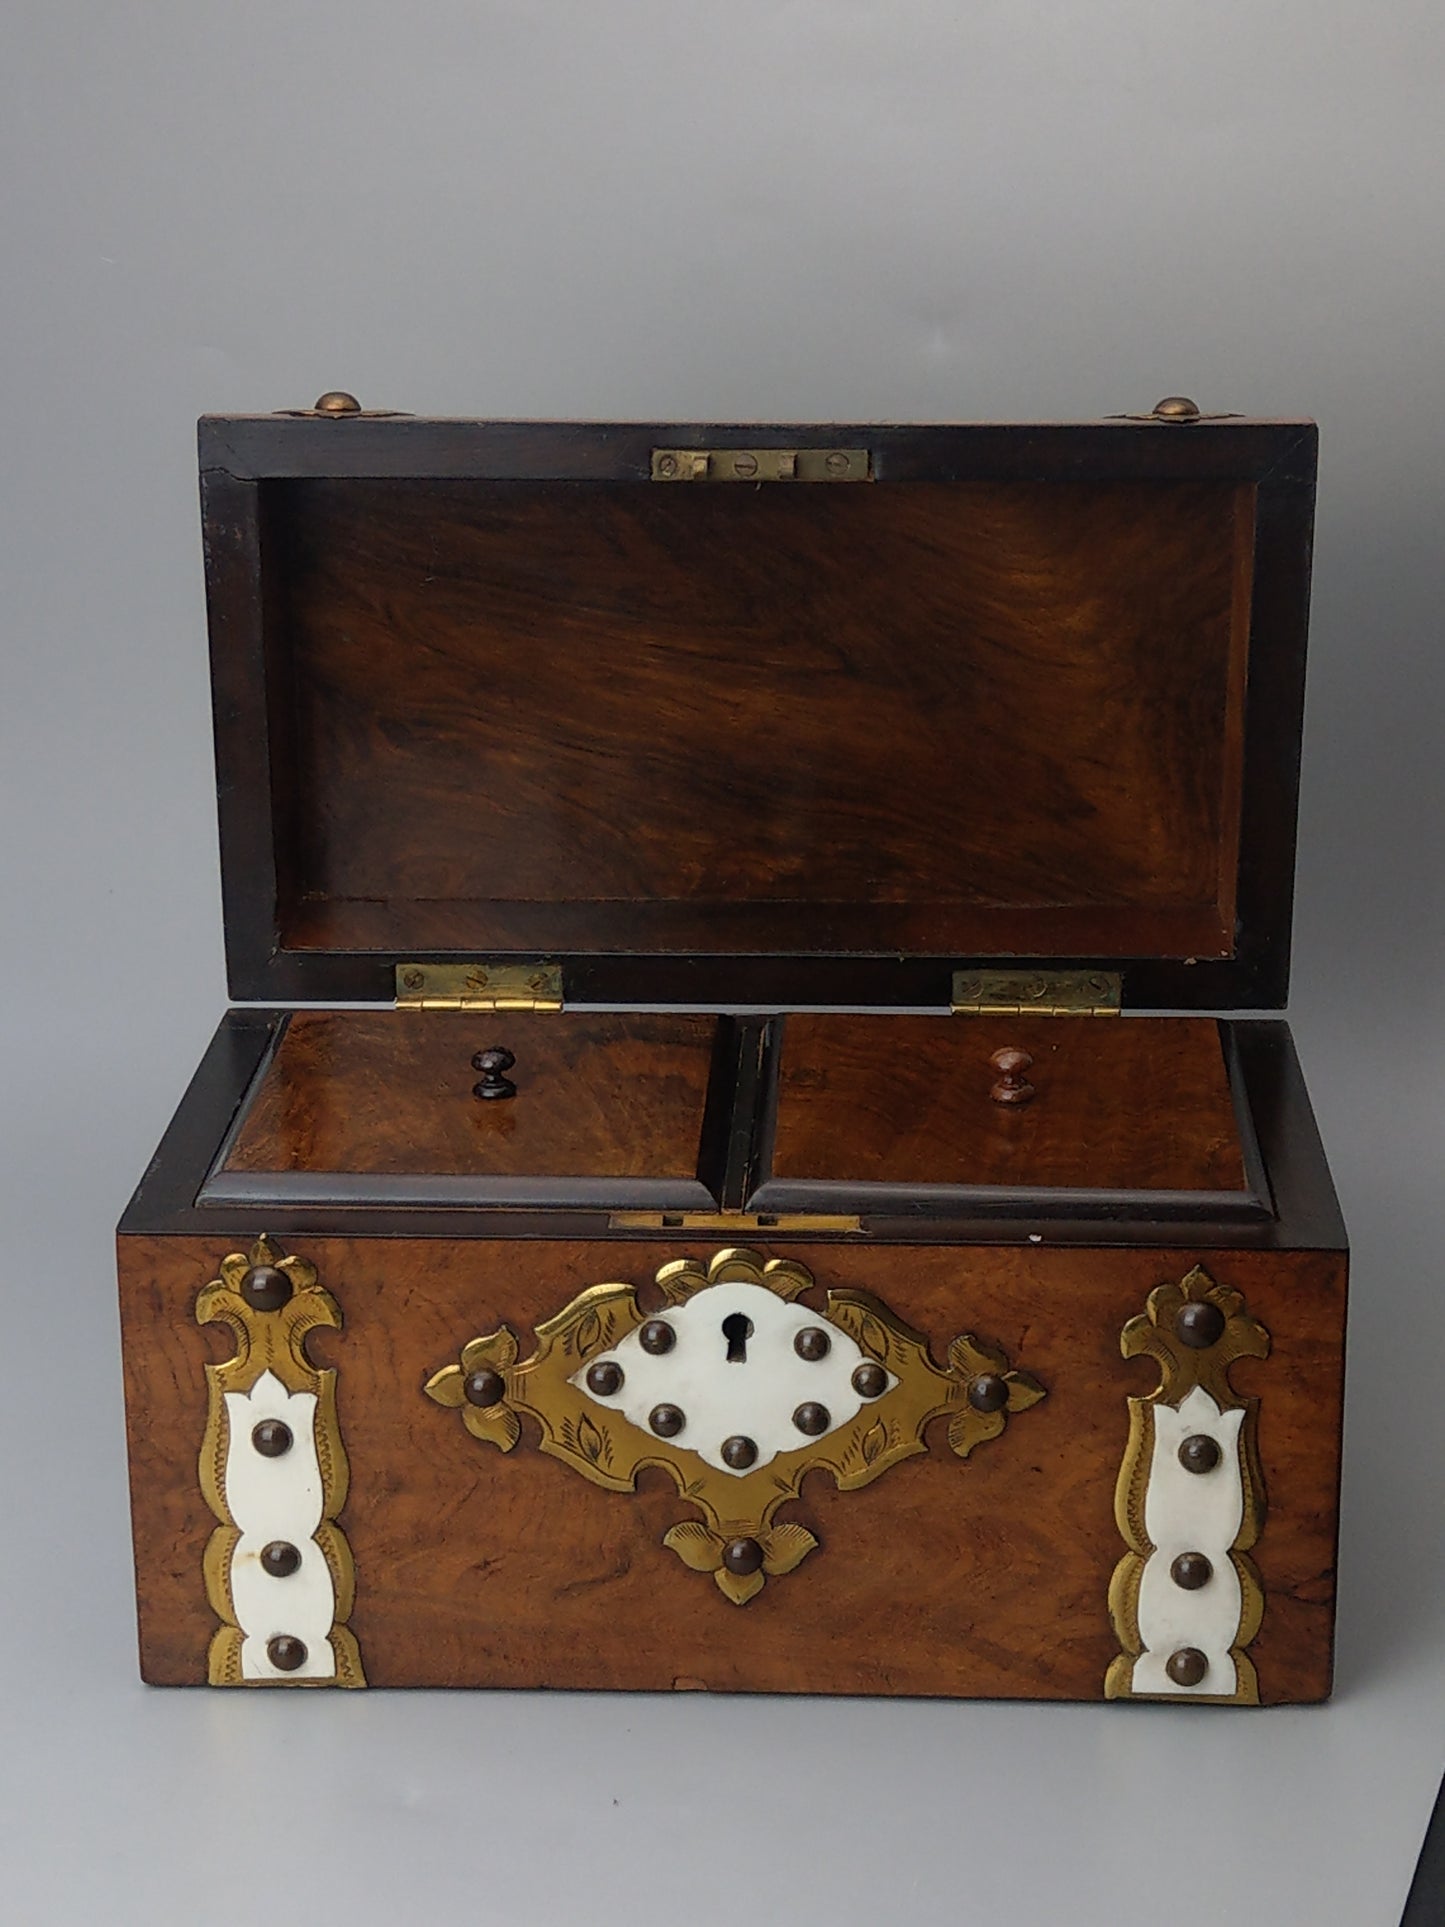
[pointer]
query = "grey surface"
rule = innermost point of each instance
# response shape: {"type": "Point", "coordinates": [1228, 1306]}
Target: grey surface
{"type": "Point", "coordinates": [670, 210]}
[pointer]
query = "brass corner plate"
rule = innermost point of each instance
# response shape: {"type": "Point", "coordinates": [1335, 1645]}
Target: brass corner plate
{"type": "Point", "coordinates": [737, 1538]}
{"type": "Point", "coordinates": [1194, 1400]}
{"type": "Point", "coordinates": [271, 1346]}
{"type": "Point", "coordinates": [761, 465]}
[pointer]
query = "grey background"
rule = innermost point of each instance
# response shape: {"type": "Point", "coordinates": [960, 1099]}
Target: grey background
{"type": "Point", "coordinates": [1005, 208]}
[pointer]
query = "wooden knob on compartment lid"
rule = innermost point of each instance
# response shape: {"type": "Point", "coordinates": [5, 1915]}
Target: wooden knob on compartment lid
{"type": "Point", "coordinates": [1013, 1087]}
{"type": "Point", "coordinates": [494, 1064]}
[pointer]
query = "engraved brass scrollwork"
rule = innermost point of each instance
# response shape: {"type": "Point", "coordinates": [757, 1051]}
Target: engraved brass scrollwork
{"type": "Point", "coordinates": [278, 1570]}
{"type": "Point", "coordinates": [1186, 1600]}
{"type": "Point", "coordinates": [737, 1538]}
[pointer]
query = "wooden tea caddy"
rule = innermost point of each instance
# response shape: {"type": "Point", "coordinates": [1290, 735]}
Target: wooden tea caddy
{"type": "Point", "coordinates": [570, 1315]}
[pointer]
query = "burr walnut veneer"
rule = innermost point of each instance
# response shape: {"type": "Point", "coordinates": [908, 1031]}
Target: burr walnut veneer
{"type": "Point", "coordinates": [899, 1265]}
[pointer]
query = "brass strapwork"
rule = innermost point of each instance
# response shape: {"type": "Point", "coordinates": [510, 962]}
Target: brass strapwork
{"type": "Point", "coordinates": [1186, 1600]}
{"type": "Point", "coordinates": [278, 1569]}
{"type": "Point", "coordinates": [848, 1389]}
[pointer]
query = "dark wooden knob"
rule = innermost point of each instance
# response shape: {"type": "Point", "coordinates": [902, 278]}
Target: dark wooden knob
{"type": "Point", "coordinates": [1199, 1324]}
{"type": "Point", "coordinates": [264, 1288]}
{"type": "Point", "coordinates": [1187, 1667]}
{"type": "Point", "coordinates": [667, 1420]}
{"type": "Point", "coordinates": [1199, 1453]}
{"type": "Point", "coordinates": [1191, 1570]}
{"type": "Point", "coordinates": [280, 1558]}
{"type": "Point", "coordinates": [271, 1437]}
{"type": "Point", "coordinates": [604, 1378]}
{"type": "Point", "coordinates": [484, 1386]}
{"type": "Point", "coordinates": [812, 1418]}
{"type": "Point", "coordinates": [286, 1653]}
{"type": "Point", "coordinates": [493, 1064]}
{"type": "Point", "coordinates": [1013, 1087]}
{"type": "Point", "coordinates": [742, 1556]}
{"type": "Point", "coordinates": [988, 1392]}
{"type": "Point", "coordinates": [870, 1380]}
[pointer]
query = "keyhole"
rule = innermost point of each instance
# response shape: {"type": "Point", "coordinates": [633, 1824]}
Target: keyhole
{"type": "Point", "coordinates": [737, 1330]}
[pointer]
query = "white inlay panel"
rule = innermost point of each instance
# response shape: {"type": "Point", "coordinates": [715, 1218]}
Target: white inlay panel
{"type": "Point", "coordinates": [278, 1498]}
{"type": "Point", "coordinates": [755, 1396]}
{"type": "Point", "coordinates": [1191, 1512]}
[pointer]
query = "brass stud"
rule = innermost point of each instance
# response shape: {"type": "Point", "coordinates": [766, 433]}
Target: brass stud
{"type": "Point", "coordinates": [812, 1419]}
{"type": "Point", "coordinates": [1199, 1323]}
{"type": "Point", "coordinates": [280, 1558]}
{"type": "Point", "coordinates": [1199, 1453]}
{"type": "Point", "coordinates": [604, 1378]}
{"type": "Point", "coordinates": [657, 1337]}
{"type": "Point", "coordinates": [484, 1387]}
{"type": "Point", "coordinates": [812, 1343]}
{"type": "Point", "coordinates": [667, 1420]}
{"type": "Point", "coordinates": [1187, 1667]}
{"type": "Point", "coordinates": [739, 1452]}
{"type": "Point", "coordinates": [336, 401]}
{"type": "Point", "coordinates": [1176, 408]}
{"type": "Point", "coordinates": [286, 1653]}
{"type": "Point", "coordinates": [272, 1438]}
{"type": "Point", "coordinates": [870, 1380]}
{"type": "Point", "coordinates": [264, 1288]}
{"type": "Point", "coordinates": [988, 1392]}
{"type": "Point", "coordinates": [742, 1557]}
{"type": "Point", "coordinates": [1190, 1571]}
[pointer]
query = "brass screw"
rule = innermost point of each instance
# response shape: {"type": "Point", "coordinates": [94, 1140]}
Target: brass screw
{"type": "Point", "coordinates": [413, 979]}
{"type": "Point", "coordinates": [745, 465]}
{"type": "Point", "coordinates": [1176, 408]}
{"type": "Point", "coordinates": [837, 461]}
{"type": "Point", "coordinates": [336, 401]}
{"type": "Point", "coordinates": [667, 465]}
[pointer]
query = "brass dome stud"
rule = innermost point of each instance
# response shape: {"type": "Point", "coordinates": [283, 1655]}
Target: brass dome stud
{"type": "Point", "coordinates": [1176, 408]}
{"type": "Point", "coordinates": [336, 401]}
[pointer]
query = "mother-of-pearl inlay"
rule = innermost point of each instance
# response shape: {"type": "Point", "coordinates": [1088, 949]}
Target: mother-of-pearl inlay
{"type": "Point", "coordinates": [1191, 1512]}
{"type": "Point", "coordinates": [753, 1395]}
{"type": "Point", "coordinates": [277, 1498]}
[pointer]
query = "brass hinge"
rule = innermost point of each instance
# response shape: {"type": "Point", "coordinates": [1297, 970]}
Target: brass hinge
{"type": "Point", "coordinates": [1038, 993]}
{"type": "Point", "coordinates": [761, 465]}
{"type": "Point", "coordinates": [479, 986]}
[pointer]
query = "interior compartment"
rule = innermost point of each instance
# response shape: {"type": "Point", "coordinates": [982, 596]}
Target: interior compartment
{"type": "Point", "coordinates": [1125, 1110]}
{"type": "Point", "coordinates": [379, 1106]}
{"type": "Point", "coordinates": [973, 719]}
{"type": "Point", "coordinates": [851, 1114]}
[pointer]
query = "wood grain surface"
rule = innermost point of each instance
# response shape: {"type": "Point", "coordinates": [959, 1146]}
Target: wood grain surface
{"type": "Point", "coordinates": [981, 1578]}
{"type": "Point", "coordinates": [1137, 1103]}
{"type": "Point", "coordinates": [600, 716]}
{"type": "Point", "coordinates": [389, 1092]}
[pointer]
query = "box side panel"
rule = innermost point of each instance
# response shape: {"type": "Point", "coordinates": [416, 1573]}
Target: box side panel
{"type": "Point", "coordinates": [982, 1577]}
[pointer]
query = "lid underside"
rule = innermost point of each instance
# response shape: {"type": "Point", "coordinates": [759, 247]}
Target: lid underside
{"type": "Point", "coordinates": [820, 738]}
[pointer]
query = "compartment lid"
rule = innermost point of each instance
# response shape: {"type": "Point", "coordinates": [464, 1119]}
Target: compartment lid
{"type": "Point", "coordinates": [703, 717]}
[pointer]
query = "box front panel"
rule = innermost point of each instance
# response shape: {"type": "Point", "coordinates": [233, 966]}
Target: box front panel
{"type": "Point", "coordinates": [981, 1565]}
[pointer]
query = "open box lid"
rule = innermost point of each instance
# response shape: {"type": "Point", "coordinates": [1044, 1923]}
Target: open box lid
{"type": "Point", "coordinates": [758, 715]}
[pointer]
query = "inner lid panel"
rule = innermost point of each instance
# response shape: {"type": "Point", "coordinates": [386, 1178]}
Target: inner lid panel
{"type": "Point", "coordinates": [1120, 1105]}
{"type": "Point", "coordinates": [973, 720]}
{"type": "Point", "coordinates": [351, 1105]}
